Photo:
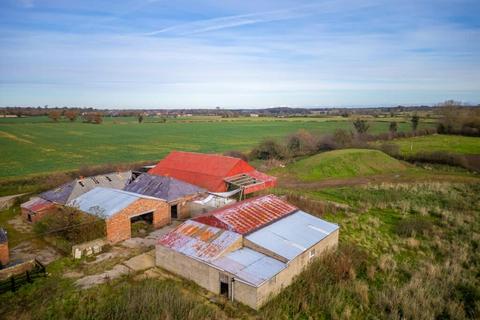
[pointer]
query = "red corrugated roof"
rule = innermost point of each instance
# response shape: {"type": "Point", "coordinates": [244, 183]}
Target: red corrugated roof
{"type": "Point", "coordinates": [249, 215]}
{"type": "Point", "coordinates": [204, 170]}
{"type": "Point", "coordinates": [38, 204]}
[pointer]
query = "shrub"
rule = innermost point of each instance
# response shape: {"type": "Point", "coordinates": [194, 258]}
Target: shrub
{"type": "Point", "coordinates": [269, 149]}
{"type": "Point", "coordinates": [301, 143]}
{"type": "Point", "coordinates": [236, 154]}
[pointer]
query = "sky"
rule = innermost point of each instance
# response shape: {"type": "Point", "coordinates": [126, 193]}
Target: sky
{"type": "Point", "coordinates": [238, 54]}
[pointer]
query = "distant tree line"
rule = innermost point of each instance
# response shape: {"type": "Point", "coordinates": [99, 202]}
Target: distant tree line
{"type": "Point", "coordinates": [456, 118]}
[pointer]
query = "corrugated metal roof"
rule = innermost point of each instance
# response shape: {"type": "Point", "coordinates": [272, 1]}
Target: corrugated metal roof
{"type": "Point", "coordinates": [162, 187]}
{"type": "Point", "coordinates": [250, 266]}
{"type": "Point", "coordinates": [198, 240]}
{"type": "Point", "coordinates": [3, 236]}
{"type": "Point", "coordinates": [249, 215]}
{"type": "Point", "coordinates": [105, 202]}
{"type": "Point", "coordinates": [37, 204]}
{"type": "Point", "coordinates": [71, 190]}
{"type": "Point", "coordinates": [292, 235]}
{"type": "Point", "coordinates": [204, 170]}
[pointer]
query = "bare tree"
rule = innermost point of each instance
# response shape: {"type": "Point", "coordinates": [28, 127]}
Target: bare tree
{"type": "Point", "coordinates": [140, 118]}
{"type": "Point", "coordinates": [415, 120]}
{"type": "Point", "coordinates": [71, 115]}
{"type": "Point", "coordinates": [55, 115]}
{"type": "Point", "coordinates": [361, 126]}
{"type": "Point", "coordinates": [393, 127]}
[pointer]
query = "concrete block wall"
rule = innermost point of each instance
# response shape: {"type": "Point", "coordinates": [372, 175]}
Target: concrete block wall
{"type": "Point", "coordinates": [119, 226]}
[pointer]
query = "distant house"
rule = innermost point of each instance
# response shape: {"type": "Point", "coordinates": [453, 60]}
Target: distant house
{"type": "Point", "coordinates": [4, 253]}
{"type": "Point", "coordinates": [248, 251]}
{"type": "Point", "coordinates": [120, 209]}
{"type": "Point", "coordinates": [216, 173]}
{"type": "Point", "coordinates": [177, 193]}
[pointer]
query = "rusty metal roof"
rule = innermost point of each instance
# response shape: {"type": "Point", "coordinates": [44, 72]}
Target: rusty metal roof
{"type": "Point", "coordinates": [249, 215]}
{"type": "Point", "coordinates": [37, 204]}
{"type": "Point", "coordinates": [198, 240]}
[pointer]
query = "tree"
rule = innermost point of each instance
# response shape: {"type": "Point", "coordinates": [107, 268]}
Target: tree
{"type": "Point", "coordinates": [415, 120]}
{"type": "Point", "coordinates": [393, 127]}
{"type": "Point", "coordinates": [71, 115]}
{"type": "Point", "coordinates": [54, 115]}
{"type": "Point", "coordinates": [97, 118]}
{"type": "Point", "coordinates": [140, 118]}
{"type": "Point", "coordinates": [361, 126]}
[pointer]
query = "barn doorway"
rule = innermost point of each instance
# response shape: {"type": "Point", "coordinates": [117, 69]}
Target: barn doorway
{"type": "Point", "coordinates": [224, 288]}
{"type": "Point", "coordinates": [174, 211]}
{"type": "Point", "coordinates": [142, 224]}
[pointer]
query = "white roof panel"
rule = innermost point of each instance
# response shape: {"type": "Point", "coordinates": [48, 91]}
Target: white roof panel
{"type": "Point", "coordinates": [292, 235]}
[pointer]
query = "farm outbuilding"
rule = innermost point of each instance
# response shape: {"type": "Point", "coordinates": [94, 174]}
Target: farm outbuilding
{"type": "Point", "coordinates": [216, 173]}
{"type": "Point", "coordinates": [177, 193]}
{"type": "Point", "coordinates": [71, 190]}
{"type": "Point", "coordinates": [120, 209]}
{"type": "Point", "coordinates": [4, 253]}
{"type": "Point", "coordinates": [248, 251]}
{"type": "Point", "coordinates": [36, 208]}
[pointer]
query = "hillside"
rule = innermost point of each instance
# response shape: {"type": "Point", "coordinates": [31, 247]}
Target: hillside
{"type": "Point", "coordinates": [345, 163]}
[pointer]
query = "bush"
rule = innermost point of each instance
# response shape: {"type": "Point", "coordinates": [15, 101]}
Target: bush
{"type": "Point", "coordinates": [236, 154]}
{"type": "Point", "coordinates": [269, 149]}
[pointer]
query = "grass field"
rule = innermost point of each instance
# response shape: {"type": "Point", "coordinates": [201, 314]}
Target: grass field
{"type": "Point", "coordinates": [345, 163]}
{"type": "Point", "coordinates": [437, 142]}
{"type": "Point", "coordinates": [36, 145]}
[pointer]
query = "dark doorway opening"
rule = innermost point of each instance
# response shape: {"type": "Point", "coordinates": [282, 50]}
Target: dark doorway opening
{"type": "Point", "coordinates": [174, 211]}
{"type": "Point", "coordinates": [224, 288]}
{"type": "Point", "coordinates": [29, 217]}
{"type": "Point", "coordinates": [142, 224]}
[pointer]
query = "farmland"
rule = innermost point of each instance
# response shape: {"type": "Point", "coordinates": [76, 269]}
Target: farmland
{"type": "Point", "coordinates": [446, 143]}
{"type": "Point", "coordinates": [37, 145]}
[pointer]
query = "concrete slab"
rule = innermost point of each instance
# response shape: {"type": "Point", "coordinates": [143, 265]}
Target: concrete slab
{"type": "Point", "coordinates": [90, 281]}
{"type": "Point", "coordinates": [142, 262]}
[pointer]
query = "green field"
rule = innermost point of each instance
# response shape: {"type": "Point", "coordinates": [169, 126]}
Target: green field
{"type": "Point", "coordinates": [36, 145]}
{"type": "Point", "coordinates": [437, 142]}
{"type": "Point", "coordinates": [344, 163]}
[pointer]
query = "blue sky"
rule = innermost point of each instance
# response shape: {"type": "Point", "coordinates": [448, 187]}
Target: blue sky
{"type": "Point", "coordinates": [161, 54]}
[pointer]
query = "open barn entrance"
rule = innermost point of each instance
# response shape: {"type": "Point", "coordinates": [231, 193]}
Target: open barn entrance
{"type": "Point", "coordinates": [224, 288]}
{"type": "Point", "coordinates": [174, 211]}
{"type": "Point", "coordinates": [141, 224]}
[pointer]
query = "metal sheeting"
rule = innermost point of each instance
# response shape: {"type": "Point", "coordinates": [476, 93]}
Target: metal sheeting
{"type": "Point", "coordinates": [104, 202]}
{"type": "Point", "coordinates": [37, 204]}
{"type": "Point", "coordinates": [249, 215]}
{"type": "Point", "coordinates": [198, 240]}
{"type": "Point", "coordinates": [292, 235]}
{"type": "Point", "coordinates": [71, 190]}
{"type": "Point", "coordinates": [250, 266]}
{"type": "Point", "coordinates": [162, 187]}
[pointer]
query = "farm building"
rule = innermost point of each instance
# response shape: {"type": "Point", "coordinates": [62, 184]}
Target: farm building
{"type": "Point", "coordinates": [36, 208]}
{"type": "Point", "coordinates": [120, 209]}
{"type": "Point", "coordinates": [177, 193]}
{"type": "Point", "coordinates": [248, 251]}
{"type": "Point", "coordinates": [71, 190]}
{"type": "Point", "coordinates": [213, 172]}
{"type": "Point", "coordinates": [4, 253]}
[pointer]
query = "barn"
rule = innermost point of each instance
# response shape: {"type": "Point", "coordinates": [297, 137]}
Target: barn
{"type": "Point", "coordinates": [36, 208]}
{"type": "Point", "coordinates": [120, 209]}
{"type": "Point", "coordinates": [248, 251]}
{"type": "Point", "coordinates": [213, 172]}
{"type": "Point", "coordinates": [177, 193]}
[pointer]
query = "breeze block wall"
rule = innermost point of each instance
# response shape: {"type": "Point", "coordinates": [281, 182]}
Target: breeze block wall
{"type": "Point", "coordinates": [119, 226]}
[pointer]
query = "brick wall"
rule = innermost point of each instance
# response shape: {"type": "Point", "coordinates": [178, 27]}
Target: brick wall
{"type": "Point", "coordinates": [4, 255]}
{"type": "Point", "coordinates": [119, 227]}
{"type": "Point", "coordinates": [35, 216]}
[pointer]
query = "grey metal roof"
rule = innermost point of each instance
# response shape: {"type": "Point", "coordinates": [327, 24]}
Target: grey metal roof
{"type": "Point", "coordinates": [71, 190]}
{"type": "Point", "coordinates": [162, 187]}
{"type": "Point", "coordinates": [3, 236]}
{"type": "Point", "coordinates": [250, 266]}
{"type": "Point", "coordinates": [292, 235]}
{"type": "Point", "coordinates": [105, 202]}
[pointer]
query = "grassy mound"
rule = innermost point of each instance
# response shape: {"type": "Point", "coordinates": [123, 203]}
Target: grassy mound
{"type": "Point", "coordinates": [345, 163]}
